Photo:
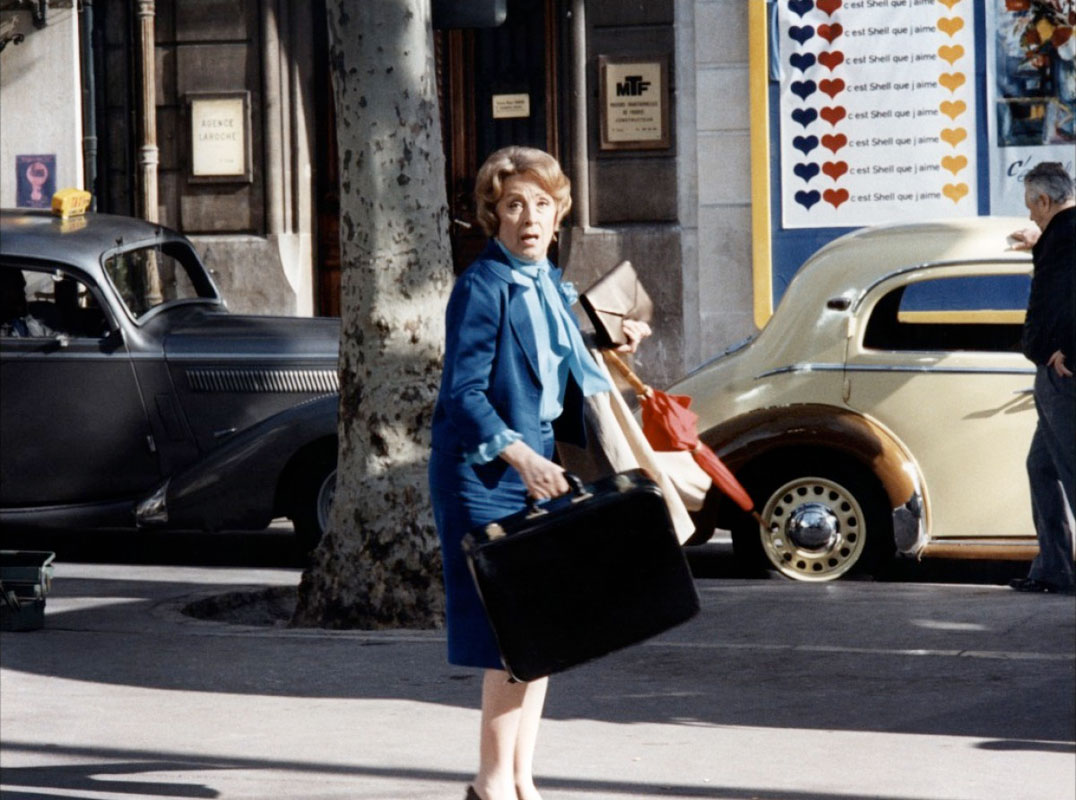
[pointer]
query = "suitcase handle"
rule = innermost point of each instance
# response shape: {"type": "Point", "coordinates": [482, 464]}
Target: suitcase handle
{"type": "Point", "coordinates": [578, 492]}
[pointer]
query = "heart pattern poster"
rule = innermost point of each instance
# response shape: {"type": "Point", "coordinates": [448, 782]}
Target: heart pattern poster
{"type": "Point", "coordinates": [877, 111]}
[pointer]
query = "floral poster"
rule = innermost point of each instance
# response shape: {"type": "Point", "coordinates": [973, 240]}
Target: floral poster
{"type": "Point", "coordinates": [1031, 91]}
{"type": "Point", "coordinates": [877, 111]}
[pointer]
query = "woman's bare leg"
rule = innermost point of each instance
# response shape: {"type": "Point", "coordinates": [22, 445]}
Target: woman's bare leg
{"type": "Point", "coordinates": [502, 709]}
{"type": "Point", "coordinates": [527, 738]}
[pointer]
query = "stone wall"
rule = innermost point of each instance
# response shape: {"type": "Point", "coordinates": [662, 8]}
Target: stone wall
{"type": "Point", "coordinates": [681, 216]}
{"type": "Point", "coordinates": [40, 99]}
{"type": "Point", "coordinates": [713, 47]}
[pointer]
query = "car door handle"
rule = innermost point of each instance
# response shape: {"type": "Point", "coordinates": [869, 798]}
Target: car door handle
{"type": "Point", "coordinates": [1029, 390]}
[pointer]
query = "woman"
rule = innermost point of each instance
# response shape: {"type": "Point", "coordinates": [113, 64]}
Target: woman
{"type": "Point", "coordinates": [516, 371]}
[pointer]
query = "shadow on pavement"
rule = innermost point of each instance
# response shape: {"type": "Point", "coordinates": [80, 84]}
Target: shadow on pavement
{"type": "Point", "coordinates": [890, 655]}
{"type": "Point", "coordinates": [93, 777]}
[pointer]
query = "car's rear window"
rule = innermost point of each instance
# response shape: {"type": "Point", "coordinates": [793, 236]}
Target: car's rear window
{"type": "Point", "coordinates": [969, 312]}
{"type": "Point", "coordinates": [149, 277]}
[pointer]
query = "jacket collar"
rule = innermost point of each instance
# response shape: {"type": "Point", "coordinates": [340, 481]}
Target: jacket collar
{"type": "Point", "coordinates": [1057, 225]}
{"type": "Point", "coordinates": [494, 261]}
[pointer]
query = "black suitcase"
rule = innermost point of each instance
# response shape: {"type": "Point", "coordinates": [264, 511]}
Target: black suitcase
{"type": "Point", "coordinates": [582, 575]}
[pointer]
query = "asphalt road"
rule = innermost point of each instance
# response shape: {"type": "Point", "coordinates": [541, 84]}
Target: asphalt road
{"type": "Point", "coordinates": [902, 688]}
{"type": "Point", "coordinates": [276, 547]}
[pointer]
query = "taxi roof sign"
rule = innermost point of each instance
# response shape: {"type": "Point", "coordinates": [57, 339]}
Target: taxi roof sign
{"type": "Point", "coordinates": [68, 203]}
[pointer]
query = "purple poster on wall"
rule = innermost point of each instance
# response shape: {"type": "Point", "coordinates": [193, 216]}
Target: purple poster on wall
{"type": "Point", "coordinates": [35, 179]}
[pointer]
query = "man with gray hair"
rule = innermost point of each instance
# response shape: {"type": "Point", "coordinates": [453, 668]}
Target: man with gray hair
{"type": "Point", "coordinates": [1049, 340]}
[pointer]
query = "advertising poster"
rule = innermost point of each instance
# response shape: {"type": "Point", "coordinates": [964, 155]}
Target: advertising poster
{"type": "Point", "coordinates": [1031, 91]}
{"type": "Point", "coordinates": [876, 111]}
{"type": "Point", "coordinates": [35, 180]}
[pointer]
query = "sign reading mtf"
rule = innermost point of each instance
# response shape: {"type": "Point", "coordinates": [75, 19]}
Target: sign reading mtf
{"type": "Point", "coordinates": [634, 106]}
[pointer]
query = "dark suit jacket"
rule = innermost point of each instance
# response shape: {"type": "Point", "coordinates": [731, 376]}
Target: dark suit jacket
{"type": "Point", "coordinates": [491, 379]}
{"type": "Point", "coordinates": [1050, 324]}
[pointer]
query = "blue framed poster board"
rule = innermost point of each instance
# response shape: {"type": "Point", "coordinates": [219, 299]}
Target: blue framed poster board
{"type": "Point", "coordinates": [876, 111]}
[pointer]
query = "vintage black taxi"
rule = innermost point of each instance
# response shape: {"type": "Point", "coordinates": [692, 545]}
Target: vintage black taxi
{"type": "Point", "coordinates": [132, 397]}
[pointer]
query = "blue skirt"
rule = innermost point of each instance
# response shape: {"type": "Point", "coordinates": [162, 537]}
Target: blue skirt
{"type": "Point", "coordinates": [464, 497]}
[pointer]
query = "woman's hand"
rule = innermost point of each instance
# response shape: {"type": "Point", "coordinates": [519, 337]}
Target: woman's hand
{"type": "Point", "coordinates": [635, 331]}
{"type": "Point", "coordinates": [542, 477]}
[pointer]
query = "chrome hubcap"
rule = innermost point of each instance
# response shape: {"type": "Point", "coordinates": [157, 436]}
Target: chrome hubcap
{"type": "Point", "coordinates": [325, 500]}
{"type": "Point", "coordinates": [816, 529]}
{"type": "Point", "coordinates": [813, 526]}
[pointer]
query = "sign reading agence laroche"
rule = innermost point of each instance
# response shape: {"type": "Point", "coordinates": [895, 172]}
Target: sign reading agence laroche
{"type": "Point", "coordinates": [877, 116]}
{"type": "Point", "coordinates": [218, 136]}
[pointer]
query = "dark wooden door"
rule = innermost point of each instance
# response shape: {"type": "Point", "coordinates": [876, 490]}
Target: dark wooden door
{"type": "Point", "coordinates": [517, 58]}
{"type": "Point", "coordinates": [473, 66]}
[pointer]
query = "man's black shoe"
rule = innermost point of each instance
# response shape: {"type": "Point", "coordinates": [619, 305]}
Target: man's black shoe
{"type": "Point", "coordinates": [1032, 585]}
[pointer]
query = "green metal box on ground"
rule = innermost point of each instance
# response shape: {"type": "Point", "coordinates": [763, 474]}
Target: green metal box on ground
{"type": "Point", "coordinates": [25, 579]}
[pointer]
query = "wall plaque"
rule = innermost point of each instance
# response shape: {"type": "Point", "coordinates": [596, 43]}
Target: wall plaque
{"type": "Point", "coordinates": [634, 103]}
{"type": "Point", "coordinates": [511, 106]}
{"type": "Point", "coordinates": [220, 137]}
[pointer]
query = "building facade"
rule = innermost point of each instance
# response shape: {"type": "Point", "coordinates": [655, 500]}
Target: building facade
{"type": "Point", "coordinates": [215, 117]}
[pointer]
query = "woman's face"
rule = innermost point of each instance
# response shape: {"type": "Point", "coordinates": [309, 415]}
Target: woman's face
{"type": "Point", "coordinates": [528, 218]}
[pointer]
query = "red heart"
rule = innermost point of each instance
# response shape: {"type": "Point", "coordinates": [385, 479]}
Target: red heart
{"type": "Point", "coordinates": [829, 6]}
{"type": "Point", "coordinates": [834, 141]}
{"type": "Point", "coordinates": [830, 32]}
{"type": "Point", "coordinates": [832, 114]}
{"type": "Point", "coordinates": [831, 60]}
{"type": "Point", "coordinates": [834, 196]}
{"type": "Point", "coordinates": [835, 169]}
{"type": "Point", "coordinates": [831, 87]}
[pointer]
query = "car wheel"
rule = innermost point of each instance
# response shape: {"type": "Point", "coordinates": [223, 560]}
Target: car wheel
{"type": "Point", "coordinates": [314, 502]}
{"type": "Point", "coordinates": [823, 522]}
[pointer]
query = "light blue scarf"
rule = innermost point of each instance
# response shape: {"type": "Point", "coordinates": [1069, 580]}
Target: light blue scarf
{"type": "Point", "coordinates": [562, 350]}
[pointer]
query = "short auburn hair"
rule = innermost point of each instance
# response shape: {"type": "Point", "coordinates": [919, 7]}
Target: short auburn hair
{"type": "Point", "coordinates": [527, 161]}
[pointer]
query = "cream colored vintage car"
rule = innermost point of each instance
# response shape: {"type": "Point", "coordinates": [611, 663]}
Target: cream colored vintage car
{"type": "Point", "coordinates": [885, 405]}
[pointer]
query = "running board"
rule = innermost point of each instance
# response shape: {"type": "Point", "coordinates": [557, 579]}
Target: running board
{"type": "Point", "coordinates": [982, 549]}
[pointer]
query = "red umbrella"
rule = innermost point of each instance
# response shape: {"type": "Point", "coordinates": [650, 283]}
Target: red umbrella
{"type": "Point", "coordinates": [669, 424]}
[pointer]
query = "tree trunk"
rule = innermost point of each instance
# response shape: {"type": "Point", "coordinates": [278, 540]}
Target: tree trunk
{"type": "Point", "coordinates": [379, 565]}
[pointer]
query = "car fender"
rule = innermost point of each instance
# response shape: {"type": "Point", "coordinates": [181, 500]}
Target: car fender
{"type": "Point", "coordinates": [235, 485]}
{"type": "Point", "coordinates": [746, 438]}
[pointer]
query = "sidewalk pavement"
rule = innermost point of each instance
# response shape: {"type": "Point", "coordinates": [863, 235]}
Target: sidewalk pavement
{"type": "Point", "coordinates": [777, 691]}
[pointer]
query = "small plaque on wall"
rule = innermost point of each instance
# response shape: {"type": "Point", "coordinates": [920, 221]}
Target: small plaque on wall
{"type": "Point", "coordinates": [634, 103]}
{"type": "Point", "coordinates": [511, 106]}
{"type": "Point", "coordinates": [220, 137]}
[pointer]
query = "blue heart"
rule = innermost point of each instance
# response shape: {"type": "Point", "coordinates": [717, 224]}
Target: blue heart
{"type": "Point", "coordinates": [801, 35]}
{"type": "Point", "coordinates": [804, 89]}
{"type": "Point", "coordinates": [806, 171]}
{"type": "Point", "coordinates": [808, 199]}
{"type": "Point", "coordinates": [802, 61]}
{"type": "Point", "coordinates": [804, 116]}
{"type": "Point", "coordinates": [800, 7]}
{"type": "Point", "coordinates": [805, 143]}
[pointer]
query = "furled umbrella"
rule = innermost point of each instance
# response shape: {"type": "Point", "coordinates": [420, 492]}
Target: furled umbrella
{"type": "Point", "coordinates": [669, 424]}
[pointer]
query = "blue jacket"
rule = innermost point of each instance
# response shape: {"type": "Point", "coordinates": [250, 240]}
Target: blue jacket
{"type": "Point", "coordinates": [491, 380]}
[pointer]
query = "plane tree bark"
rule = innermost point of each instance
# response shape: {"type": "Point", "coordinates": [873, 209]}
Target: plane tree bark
{"type": "Point", "coordinates": [378, 564]}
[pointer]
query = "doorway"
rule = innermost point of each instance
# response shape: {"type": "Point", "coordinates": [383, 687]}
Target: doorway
{"type": "Point", "coordinates": [498, 87]}
{"type": "Point", "coordinates": [476, 69]}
